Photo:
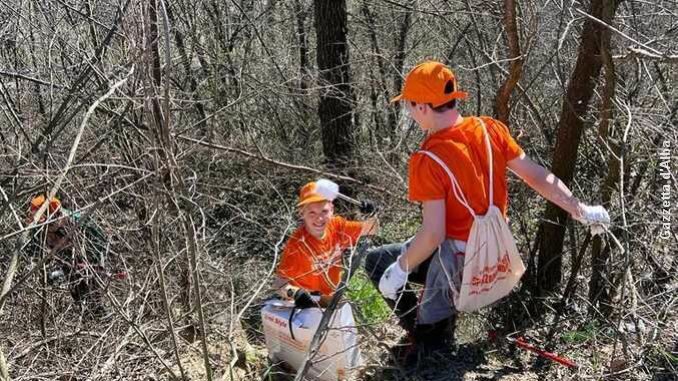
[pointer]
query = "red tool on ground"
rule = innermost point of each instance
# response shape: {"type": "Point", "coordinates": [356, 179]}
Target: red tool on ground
{"type": "Point", "coordinates": [120, 275]}
{"type": "Point", "coordinates": [520, 342]}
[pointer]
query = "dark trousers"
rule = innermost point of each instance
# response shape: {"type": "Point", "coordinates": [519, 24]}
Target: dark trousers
{"type": "Point", "coordinates": [82, 285]}
{"type": "Point", "coordinates": [405, 306]}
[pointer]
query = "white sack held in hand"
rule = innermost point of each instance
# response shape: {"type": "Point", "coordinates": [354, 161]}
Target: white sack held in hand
{"type": "Point", "coordinates": [596, 217]}
{"type": "Point", "coordinates": [492, 265]}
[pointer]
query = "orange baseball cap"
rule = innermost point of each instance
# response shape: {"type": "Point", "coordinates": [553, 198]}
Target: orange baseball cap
{"type": "Point", "coordinates": [430, 82]}
{"type": "Point", "coordinates": [309, 195]}
{"type": "Point", "coordinates": [36, 203]}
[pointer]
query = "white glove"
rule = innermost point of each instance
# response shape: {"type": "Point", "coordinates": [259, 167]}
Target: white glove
{"type": "Point", "coordinates": [393, 280]}
{"type": "Point", "coordinates": [596, 217]}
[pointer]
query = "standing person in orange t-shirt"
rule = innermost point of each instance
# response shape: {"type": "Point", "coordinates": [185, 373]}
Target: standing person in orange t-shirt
{"type": "Point", "coordinates": [430, 94]}
{"type": "Point", "coordinates": [311, 259]}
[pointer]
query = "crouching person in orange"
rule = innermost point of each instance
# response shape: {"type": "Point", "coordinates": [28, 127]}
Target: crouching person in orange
{"type": "Point", "coordinates": [311, 260]}
{"type": "Point", "coordinates": [77, 250]}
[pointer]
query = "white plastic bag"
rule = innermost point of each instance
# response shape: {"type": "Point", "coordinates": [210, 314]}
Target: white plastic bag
{"type": "Point", "coordinates": [492, 265]}
{"type": "Point", "coordinates": [339, 354]}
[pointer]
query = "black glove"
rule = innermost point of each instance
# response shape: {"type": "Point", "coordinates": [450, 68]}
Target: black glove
{"type": "Point", "coordinates": [302, 299]}
{"type": "Point", "coordinates": [368, 207]}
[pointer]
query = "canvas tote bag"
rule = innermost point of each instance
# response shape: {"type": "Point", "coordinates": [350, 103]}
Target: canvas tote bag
{"type": "Point", "coordinates": [492, 265]}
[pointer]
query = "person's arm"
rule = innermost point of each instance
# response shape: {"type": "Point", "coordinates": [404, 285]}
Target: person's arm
{"type": "Point", "coordinates": [283, 288]}
{"type": "Point", "coordinates": [554, 190]}
{"type": "Point", "coordinates": [370, 226]}
{"type": "Point", "coordinates": [428, 238]}
{"type": "Point", "coordinates": [546, 184]}
{"type": "Point", "coordinates": [325, 300]}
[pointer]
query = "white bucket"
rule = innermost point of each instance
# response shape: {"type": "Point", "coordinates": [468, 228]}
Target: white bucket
{"type": "Point", "coordinates": [339, 354]}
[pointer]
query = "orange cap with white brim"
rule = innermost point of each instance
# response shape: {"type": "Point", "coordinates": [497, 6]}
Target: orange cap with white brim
{"type": "Point", "coordinates": [308, 194]}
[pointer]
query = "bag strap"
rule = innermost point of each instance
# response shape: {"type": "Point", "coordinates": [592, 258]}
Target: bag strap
{"type": "Point", "coordinates": [489, 161]}
{"type": "Point", "coordinates": [456, 188]}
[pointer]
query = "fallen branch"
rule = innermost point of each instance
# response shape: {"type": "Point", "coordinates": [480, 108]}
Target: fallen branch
{"type": "Point", "coordinates": [288, 165]}
{"type": "Point", "coordinates": [41, 343]}
{"type": "Point", "coordinates": [644, 54]}
{"type": "Point", "coordinates": [31, 79]}
{"type": "Point", "coordinates": [617, 31]}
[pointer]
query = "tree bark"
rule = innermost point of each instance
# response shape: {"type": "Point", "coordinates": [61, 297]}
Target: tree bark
{"type": "Point", "coordinates": [579, 92]}
{"type": "Point", "coordinates": [302, 40]}
{"type": "Point", "coordinates": [378, 83]}
{"type": "Point", "coordinates": [399, 63]}
{"type": "Point", "coordinates": [193, 84]}
{"type": "Point", "coordinates": [599, 293]}
{"type": "Point", "coordinates": [501, 103]}
{"type": "Point", "coordinates": [335, 108]}
{"type": "Point", "coordinates": [172, 178]}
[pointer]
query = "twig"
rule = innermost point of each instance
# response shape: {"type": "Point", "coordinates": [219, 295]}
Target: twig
{"type": "Point", "coordinates": [625, 250]}
{"type": "Point", "coordinates": [644, 54]}
{"type": "Point", "coordinates": [570, 288]}
{"type": "Point", "coordinates": [14, 213]}
{"type": "Point", "coordinates": [31, 79]}
{"type": "Point", "coordinates": [610, 27]}
{"type": "Point", "coordinates": [321, 331]}
{"type": "Point", "coordinates": [288, 165]}
{"type": "Point", "coordinates": [81, 130]}
{"type": "Point", "coordinates": [155, 239]}
{"type": "Point", "coordinates": [134, 327]}
{"type": "Point", "coordinates": [4, 376]}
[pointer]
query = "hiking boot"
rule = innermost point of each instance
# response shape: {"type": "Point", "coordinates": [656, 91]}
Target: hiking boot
{"type": "Point", "coordinates": [404, 349]}
{"type": "Point", "coordinates": [426, 341]}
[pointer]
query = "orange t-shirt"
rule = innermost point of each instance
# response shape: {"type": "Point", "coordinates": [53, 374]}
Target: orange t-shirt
{"type": "Point", "coordinates": [462, 148]}
{"type": "Point", "coordinates": [315, 264]}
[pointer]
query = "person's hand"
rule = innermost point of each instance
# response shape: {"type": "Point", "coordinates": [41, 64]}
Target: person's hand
{"type": "Point", "coordinates": [302, 299]}
{"type": "Point", "coordinates": [368, 207]}
{"type": "Point", "coordinates": [393, 280]}
{"type": "Point", "coordinates": [325, 300]}
{"type": "Point", "coordinates": [596, 217]}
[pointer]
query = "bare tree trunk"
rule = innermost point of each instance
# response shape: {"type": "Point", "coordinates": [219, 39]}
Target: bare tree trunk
{"type": "Point", "coordinates": [172, 178]}
{"type": "Point", "coordinates": [156, 75]}
{"type": "Point", "coordinates": [599, 295]}
{"type": "Point", "coordinates": [501, 102]}
{"type": "Point", "coordinates": [571, 125]}
{"type": "Point", "coordinates": [193, 84]}
{"type": "Point", "coordinates": [378, 83]}
{"type": "Point", "coordinates": [159, 267]}
{"type": "Point", "coordinates": [335, 108]}
{"type": "Point", "coordinates": [302, 38]}
{"type": "Point", "coordinates": [399, 63]}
